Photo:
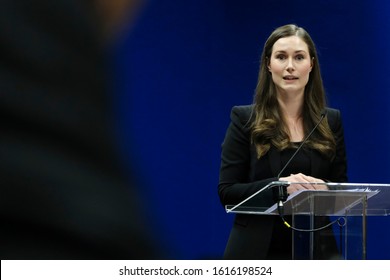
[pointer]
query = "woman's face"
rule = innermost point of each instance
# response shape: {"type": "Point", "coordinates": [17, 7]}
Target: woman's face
{"type": "Point", "coordinates": [290, 65]}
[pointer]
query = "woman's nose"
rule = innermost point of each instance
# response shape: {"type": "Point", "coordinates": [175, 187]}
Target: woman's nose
{"type": "Point", "coordinates": [290, 65]}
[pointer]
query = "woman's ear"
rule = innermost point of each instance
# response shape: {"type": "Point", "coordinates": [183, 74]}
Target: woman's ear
{"type": "Point", "coordinates": [268, 64]}
{"type": "Point", "coordinates": [312, 63]}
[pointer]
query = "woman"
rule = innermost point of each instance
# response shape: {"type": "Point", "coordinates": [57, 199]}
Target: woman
{"type": "Point", "coordinates": [262, 137]}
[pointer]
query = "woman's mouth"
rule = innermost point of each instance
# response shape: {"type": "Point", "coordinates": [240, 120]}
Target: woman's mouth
{"type": "Point", "coordinates": [290, 78]}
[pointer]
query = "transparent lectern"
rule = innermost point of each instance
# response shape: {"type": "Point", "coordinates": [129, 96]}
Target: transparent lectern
{"type": "Point", "coordinates": [343, 207]}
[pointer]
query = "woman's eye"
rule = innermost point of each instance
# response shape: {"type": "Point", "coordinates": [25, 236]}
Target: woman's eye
{"type": "Point", "coordinates": [281, 57]}
{"type": "Point", "coordinates": [299, 57]}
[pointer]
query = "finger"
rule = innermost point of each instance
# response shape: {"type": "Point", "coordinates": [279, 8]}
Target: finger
{"type": "Point", "coordinates": [292, 189]}
{"type": "Point", "coordinates": [318, 185]}
{"type": "Point", "coordinates": [301, 178]}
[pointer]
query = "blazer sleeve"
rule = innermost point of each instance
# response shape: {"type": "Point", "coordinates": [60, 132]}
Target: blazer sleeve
{"type": "Point", "coordinates": [234, 185]}
{"type": "Point", "coordinates": [338, 172]}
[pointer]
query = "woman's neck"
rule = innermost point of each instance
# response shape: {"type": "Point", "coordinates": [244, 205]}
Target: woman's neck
{"type": "Point", "coordinates": [291, 108]}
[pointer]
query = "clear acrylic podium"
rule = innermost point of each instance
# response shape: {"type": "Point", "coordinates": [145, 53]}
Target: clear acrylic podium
{"type": "Point", "coordinates": [344, 206]}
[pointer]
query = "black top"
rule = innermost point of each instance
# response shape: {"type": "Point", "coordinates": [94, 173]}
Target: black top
{"type": "Point", "coordinates": [299, 164]}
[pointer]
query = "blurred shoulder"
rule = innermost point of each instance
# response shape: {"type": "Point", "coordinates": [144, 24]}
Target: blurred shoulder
{"type": "Point", "coordinates": [333, 114]}
{"type": "Point", "coordinates": [243, 113]}
{"type": "Point", "coordinates": [334, 118]}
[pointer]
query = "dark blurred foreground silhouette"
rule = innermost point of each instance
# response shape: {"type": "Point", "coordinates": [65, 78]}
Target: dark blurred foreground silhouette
{"type": "Point", "coordinates": [63, 194]}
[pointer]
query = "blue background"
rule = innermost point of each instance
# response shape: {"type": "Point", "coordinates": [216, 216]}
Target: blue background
{"type": "Point", "coordinates": [185, 63]}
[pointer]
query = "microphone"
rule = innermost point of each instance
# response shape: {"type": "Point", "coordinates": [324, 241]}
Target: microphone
{"type": "Point", "coordinates": [280, 192]}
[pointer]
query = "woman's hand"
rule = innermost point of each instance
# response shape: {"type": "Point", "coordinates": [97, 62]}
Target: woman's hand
{"type": "Point", "coordinates": [302, 178]}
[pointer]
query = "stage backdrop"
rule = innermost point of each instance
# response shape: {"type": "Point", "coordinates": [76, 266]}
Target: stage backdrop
{"type": "Point", "coordinates": [187, 62]}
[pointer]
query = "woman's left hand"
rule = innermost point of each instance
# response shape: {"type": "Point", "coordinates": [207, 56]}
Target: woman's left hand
{"type": "Point", "coordinates": [296, 179]}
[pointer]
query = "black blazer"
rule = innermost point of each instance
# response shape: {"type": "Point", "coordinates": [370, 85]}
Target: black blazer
{"type": "Point", "coordinates": [242, 174]}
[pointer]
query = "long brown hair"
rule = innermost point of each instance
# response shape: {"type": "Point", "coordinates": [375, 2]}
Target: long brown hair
{"type": "Point", "coordinates": [268, 126]}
